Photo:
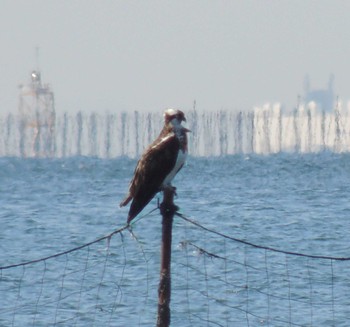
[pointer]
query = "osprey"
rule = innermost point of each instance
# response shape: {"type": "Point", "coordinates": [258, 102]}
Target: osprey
{"type": "Point", "coordinates": [159, 163]}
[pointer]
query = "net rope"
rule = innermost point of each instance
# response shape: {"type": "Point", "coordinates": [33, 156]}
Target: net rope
{"type": "Point", "coordinates": [217, 280]}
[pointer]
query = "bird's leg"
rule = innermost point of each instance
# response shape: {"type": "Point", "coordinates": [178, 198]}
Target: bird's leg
{"type": "Point", "coordinates": [168, 186]}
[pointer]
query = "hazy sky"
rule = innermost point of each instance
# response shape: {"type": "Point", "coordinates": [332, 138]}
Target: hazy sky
{"type": "Point", "coordinates": [149, 55]}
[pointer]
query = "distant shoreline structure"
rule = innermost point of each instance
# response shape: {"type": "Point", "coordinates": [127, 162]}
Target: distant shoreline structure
{"type": "Point", "coordinates": [316, 124]}
{"type": "Point", "coordinates": [264, 130]}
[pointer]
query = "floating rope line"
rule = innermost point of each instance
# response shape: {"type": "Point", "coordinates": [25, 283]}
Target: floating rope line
{"type": "Point", "coordinates": [193, 222]}
{"type": "Point", "coordinates": [106, 237]}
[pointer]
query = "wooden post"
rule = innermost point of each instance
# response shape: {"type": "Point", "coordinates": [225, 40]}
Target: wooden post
{"type": "Point", "coordinates": [167, 209]}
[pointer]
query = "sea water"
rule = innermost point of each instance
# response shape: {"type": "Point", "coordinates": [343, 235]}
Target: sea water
{"type": "Point", "coordinates": [289, 202]}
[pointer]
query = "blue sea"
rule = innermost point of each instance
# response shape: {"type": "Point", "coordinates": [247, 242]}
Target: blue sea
{"type": "Point", "coordinates": [259, 245]}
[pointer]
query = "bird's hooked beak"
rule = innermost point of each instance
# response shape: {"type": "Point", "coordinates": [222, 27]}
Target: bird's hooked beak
{"type": "Point", "coordinates": [184, 128]}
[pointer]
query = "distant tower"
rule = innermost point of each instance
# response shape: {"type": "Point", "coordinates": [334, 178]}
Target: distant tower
{"type": "Point", "coordinates": [37, 118]}
{"type": "Point", "coordinates": [324, 98]}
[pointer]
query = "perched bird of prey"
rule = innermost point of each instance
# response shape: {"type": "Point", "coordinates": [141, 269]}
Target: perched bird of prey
{"type": "Point", "coordinates": [159, 163]}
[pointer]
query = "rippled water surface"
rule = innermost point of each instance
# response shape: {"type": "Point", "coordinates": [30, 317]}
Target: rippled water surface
{"type": "Point", "coordinates": [290, 202]}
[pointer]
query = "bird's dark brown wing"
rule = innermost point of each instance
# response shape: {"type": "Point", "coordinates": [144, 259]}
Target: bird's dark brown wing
{"type": "Point", "coordinates": [151, 170]}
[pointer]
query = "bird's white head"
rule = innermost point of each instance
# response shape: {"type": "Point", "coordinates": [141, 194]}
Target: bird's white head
{"type": "Point", "coordinates": [174, 116]}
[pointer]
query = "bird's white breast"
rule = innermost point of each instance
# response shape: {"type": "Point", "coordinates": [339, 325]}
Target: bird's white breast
{"type": "Point", "coordinates": [181, 158]}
